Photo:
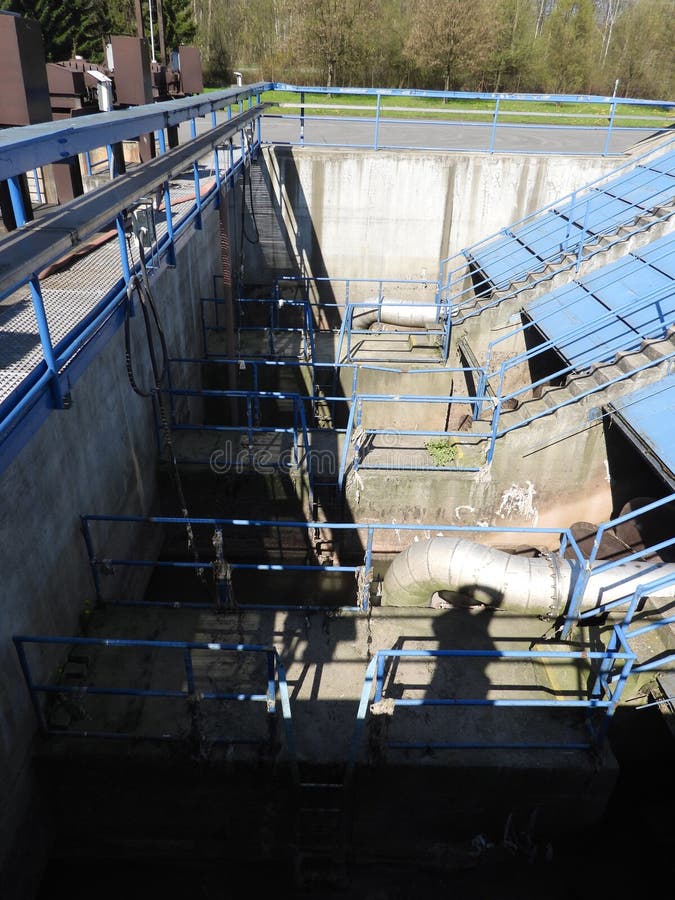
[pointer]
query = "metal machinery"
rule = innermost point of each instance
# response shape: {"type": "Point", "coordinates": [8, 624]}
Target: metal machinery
{"type": "Point", "coordinates": [24, 99]}
{"type": "Point", "coordinates": [37, 91]}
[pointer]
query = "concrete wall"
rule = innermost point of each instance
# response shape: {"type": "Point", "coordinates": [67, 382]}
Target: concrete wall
{"type": "Point", "coordinates": [99, 456]}
{"type": "Point", "coordinates": [396, 214]}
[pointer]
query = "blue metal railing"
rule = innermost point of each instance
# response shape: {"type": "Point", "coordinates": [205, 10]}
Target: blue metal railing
{"type": "Point", "coordinates": [500, 402]}
{"type": "Point", "coordinates": [360, 537]}
{"type": "Point", "coordinates": [603, 695]}
{"type": "Point", "coordinates": [279, 314]}
{"type": "Point", "coordinates": [578, 243]}
{"type": "Point", "coordinates": [35, 146]}
{"type": "Point", "coordinates": [359, 435]}
{"type": "Point", "coordinates": [357, 431]}
{"type": "Point", "coordinates": [349, 330]}
{"type": "Point", "coordinates": [343, 288]}
{"type": "Point", "coordinates": [590, 567]}
{"type": "Point", "coordinates": [591, 358]}
{"type": "Point", "coordinates": [276, 685]}
{"type": "Point", "coordinates": [486, 135]}
{"type": "Point", "coordinates": [251, 458]}
{"type": "Point", "coordinates": [593, 328]}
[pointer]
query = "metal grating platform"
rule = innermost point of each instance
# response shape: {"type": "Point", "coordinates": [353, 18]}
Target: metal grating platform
{"type": "Point", "coordinates": [75, 288]}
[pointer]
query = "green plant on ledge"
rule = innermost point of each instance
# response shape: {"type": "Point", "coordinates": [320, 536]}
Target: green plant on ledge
{"type": "Point", "coordinates": [442, 451]}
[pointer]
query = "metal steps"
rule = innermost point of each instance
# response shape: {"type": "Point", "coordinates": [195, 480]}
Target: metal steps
{"type": "Point", "coordinates": [320, 837]}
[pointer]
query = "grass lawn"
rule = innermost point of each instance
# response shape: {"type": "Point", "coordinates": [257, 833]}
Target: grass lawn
{"type": "Point", "coordinates": [510, 111]}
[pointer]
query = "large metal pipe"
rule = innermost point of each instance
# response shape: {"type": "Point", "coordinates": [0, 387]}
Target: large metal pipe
{"type": "Point", "coordinates": [395, 312]}
{"type": "Point", "coordinates": [466, 573]}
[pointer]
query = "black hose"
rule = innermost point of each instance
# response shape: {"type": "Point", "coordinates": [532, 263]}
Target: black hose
{"type": "Point", "coordinates": [150, 315]}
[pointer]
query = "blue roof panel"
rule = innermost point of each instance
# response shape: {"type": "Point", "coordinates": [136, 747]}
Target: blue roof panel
{"type": "Point", "coordinates": [642, 297]}
{"type": "Point", "coordinates": [665, 163]}
{"type": "Point", "coordinates": [643, 187]}
{"type": "Point", "coordinates": [650, 412]}
{"type": "Point", "coordinates": [504, 260]}
{"type": "Point", "coordinates": [599, 212]}
{"type": "Point", "coordinates": [660, 254]}
{"type": "Point", "coordinates": [580, 326]}
{"type": "Point", "coordinates": [549, 236]}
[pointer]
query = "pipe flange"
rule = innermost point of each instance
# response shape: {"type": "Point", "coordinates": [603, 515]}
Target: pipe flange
{"type": "Point", "coordinates": [555, 608]}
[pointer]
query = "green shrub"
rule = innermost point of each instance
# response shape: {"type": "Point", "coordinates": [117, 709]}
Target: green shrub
{"type": "Point", "coordinates": [442, 451]}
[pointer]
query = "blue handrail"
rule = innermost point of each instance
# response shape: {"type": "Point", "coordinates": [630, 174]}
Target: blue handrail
{"type": "Point", "coordinates": [605, 699]}
{"type": "Point", "coordinates": [488, 131]}
{"type": "Point", "coordinates": [589, 568]}
{"type": "Point", "coordinates": [276, 684]}
{"type": "Point", "coordinates": [365, 532]}
{"type": "Point", "coordinates": [41, 144]}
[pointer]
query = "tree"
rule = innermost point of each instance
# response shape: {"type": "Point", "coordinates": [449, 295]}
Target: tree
{"type": "Point", "coordinates": [332, 30]}
{"type": "Point", "coordinates": [179, 23]}
{"type": "Point", "coordinates": [69, 27]}
{"type": "Point", "coordinates": [512, 59]}
{"type": "Point", "coordinates": [608, 11]}
{"type": "Point", "coordinates": [450, 41]}
{"type": "Point", "coordinates": [572, 44]}
{"type": "Point", "coordinates": [641, 55]}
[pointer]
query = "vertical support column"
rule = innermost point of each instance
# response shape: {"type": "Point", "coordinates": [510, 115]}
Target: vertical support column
{"type": "Point", "coordinates": [493, 133]}
{"type": "Point", "coordinates": [216, 163]}
{"type": "Point", "coordinates": [122, 241]}
{"type": "Point", "coordinates": [345, 448]}
{"type": "Point", "coordinates": [17, 196]}
{"type": "Point", "coordinates": [195, 169]}
{"type": "Point", "coordinates": [608, 136]}
{"type": "Point", "coordinates": [582, 238]}
{"type": "Point", "coordinates": [171, 249]}
{"type": "Point", "coordinates": [493, 431]}
{"type": "Point", "coordinates": [379, 680]}
{"type": "Point", "coordinates": [36, 186]}
{"type": "Point", "coordinates": [258, 121]}
{"type": "Point", "coordinates": [116, 163]}
{"type": "Point", "coordinates": [376, 141]}
{"type": "Point", "coordinates": [242, 136]}
{"type": "Point", "coordinates": [302, 118]}
{"type": "Point", "coordinates": [566, 245]}
{"type": "Point", "coordinates": [46, 341]}
{"type": "Point", "coordinates": [364, 599]}
{"type": "Point", "coordinates": [231, 173]}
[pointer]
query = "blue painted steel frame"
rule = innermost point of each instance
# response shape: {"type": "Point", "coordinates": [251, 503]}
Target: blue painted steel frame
{"type": "Point", "coordinates": [573, 614]}
{"type": "Point", "coordinates": [379, 115]}
{"type": "Point", "coordinates": [602, 696]}
{"type": "Point", "coordinates": [363, 590]}
{"type": "Point", "coordinates": [276, 682]}
{"type": "Point", "coordinates": [67, 360]}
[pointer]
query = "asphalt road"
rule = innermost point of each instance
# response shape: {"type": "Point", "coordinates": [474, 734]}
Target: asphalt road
{"type": "Point", "coordinates": [452, 136]}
